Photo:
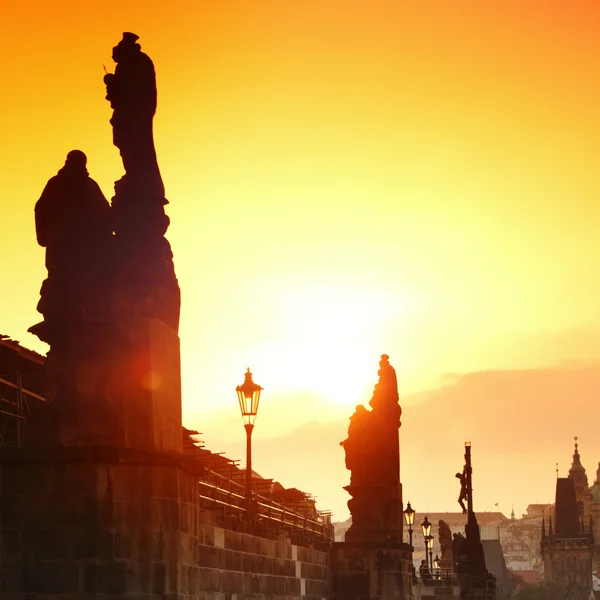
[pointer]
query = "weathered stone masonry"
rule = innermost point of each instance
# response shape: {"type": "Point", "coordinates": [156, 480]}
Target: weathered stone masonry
{"type": "Point", "coordinates": [108, 523]}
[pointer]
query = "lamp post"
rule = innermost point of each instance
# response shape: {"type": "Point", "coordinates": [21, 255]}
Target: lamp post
{"type": "Point", "coordinates": [430, 540]}
{"type": "Point", "coordinates": [248, 396]}
{"type": "Point", "coordinates": [426, 529]}
{"type": "Point", "coordinates": [436, 562]}
{"type": "Point", "coordinates": [409, 519]}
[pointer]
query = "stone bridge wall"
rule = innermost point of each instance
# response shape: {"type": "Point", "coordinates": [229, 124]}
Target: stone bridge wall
{"type": "Point", "coordinates": [104, 524]}
{"type": "Point", "coordinates": [239, 566]}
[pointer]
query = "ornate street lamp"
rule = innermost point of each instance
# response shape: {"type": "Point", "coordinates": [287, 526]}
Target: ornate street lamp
{"type": "Point", "coordinates": [430, 540]}
{"type": "Point", "coordinates": [248, 396]}
{"type": "Point", "coordinates": [426, 529]}
{"type": "Point", "coordinates": [409, 519]}
{"type": "Point", "coordinates": [436, 562]}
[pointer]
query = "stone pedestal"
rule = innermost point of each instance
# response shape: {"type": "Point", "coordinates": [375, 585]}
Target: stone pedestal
{"type": "Point", "coordinates": [86, 523]}
{"type": "Point", "coordinates": [110, 383]}
{"type": "Point", "coordinates": [370, 571]}
{"type": "Point", "coordinates": [376, 513]}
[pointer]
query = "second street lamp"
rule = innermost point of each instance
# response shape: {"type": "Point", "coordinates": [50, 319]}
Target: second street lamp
{"type": "Point", "coordinates": [426, 529]}
{"type": "Point", "coordinates": [248, 396]}
{"type": "Point", "coordinates": [430, 540]}
{"type": "Point", "coordinates": [409, 518]}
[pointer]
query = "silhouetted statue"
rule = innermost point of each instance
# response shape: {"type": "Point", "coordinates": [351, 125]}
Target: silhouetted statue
{"type": "Point", "coordinates": [373, 458]}
{"type": "Point", "coordinates": [357, 445]}
{"type": "Point", "coordinates": [464, 490]}
{"type": "Point", "coordinates": [445, 537]}
{"type": "Point", "coordinates": [145, 281]}
{"type": "Point", "coordinates": [458, 540]}
{"type": "Point", "coordinates": [385, 424]}
{"type": "Point", "coordinates": [73, 223]}
{"type": "Point", "coordinates": [131, 90]}
{"type": "Point", "coordinates": [470, 559]}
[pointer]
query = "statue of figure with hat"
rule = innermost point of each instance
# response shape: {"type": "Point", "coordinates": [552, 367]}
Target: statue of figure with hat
{"type": "Point", "coordinates": [73, 223]}
{"type": "Point", "coordinates": [131, 91]}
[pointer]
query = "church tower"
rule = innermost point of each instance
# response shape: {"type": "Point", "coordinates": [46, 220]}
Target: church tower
{"type": "Point", "coordinates": [568, 547]}
{"type": "Point", "coordinates": [578, 475]}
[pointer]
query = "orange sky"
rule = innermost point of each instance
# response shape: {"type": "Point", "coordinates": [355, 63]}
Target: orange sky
{"type": "Point", "coordinates": [346, 178]}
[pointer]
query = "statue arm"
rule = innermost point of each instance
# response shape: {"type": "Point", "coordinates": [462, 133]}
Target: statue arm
{"type": "Point", "coordinates": [41, 215]}
{"type": "Point", "coordinates": [109, 82]}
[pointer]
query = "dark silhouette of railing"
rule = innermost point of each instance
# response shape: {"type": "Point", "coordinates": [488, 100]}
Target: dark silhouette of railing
{"type": "Point", "coordinates": [437, 576]}
{"type": "Point", "coordinates": [217, 491]}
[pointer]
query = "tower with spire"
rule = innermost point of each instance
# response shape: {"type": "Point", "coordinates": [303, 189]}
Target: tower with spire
{"type": "Point", "coordinates": [578, 475]}
{"type": "Point", "coordinates": [567, 547]}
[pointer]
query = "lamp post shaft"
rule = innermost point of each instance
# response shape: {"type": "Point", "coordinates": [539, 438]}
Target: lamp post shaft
{"type": "Point", "coordinates": [410, 535]}
{"type": "Point", "coordinates": [248, 427]}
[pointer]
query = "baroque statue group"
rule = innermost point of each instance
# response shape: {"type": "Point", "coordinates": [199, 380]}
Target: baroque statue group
{"type": "Point", "coordinates": [111, 261]}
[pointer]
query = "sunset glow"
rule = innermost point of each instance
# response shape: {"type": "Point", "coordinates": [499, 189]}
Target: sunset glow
{"type": "Point", "coordinates": [346, 179]}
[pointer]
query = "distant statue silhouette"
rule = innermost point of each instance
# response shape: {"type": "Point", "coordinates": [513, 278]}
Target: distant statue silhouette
{"type": "Point", "coordinates": [464, 490]}
{"type": "Point", "coordinates": [131, 90]}
{"type": "Point", "coordinates": [445, 538]}
{"type": "Point", "coordinates": [372, 457]}
{"type": "Point", "coordinates": [385, 416]}
{"type": "Point", "coordinates": [458, 541]}
{"type": "Point", "coordinates": [73, 223]}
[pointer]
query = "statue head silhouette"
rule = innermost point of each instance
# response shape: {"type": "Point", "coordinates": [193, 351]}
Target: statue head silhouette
{"type": "Point", "coordinates": [76, 159]}
{"type": "Point", "coordinates": [127, 46]}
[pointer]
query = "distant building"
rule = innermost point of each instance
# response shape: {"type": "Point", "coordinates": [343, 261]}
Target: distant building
{"type": "Point", "coordinates": [568, 546]}
{"type": "Point", "coordinates": [496, 565]}
{"type": "Point", "coordinates": [520, 538]}
{"type": "Point", "coordinates": [588, 501]}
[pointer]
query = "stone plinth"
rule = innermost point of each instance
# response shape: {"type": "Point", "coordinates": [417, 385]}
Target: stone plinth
{"type": "Point", "coordinates": [87, 523]}
{"type": "Point", "coordinates": [376, 513]}
{"type": "Point", "coordinates": [110, 383]}
{"type": "Point", "coordinates": [370, 571]}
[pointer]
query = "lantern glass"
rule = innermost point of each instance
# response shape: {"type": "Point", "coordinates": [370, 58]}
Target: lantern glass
{"type": "Point", "coordinates": [426, 527]}
{"type": "Point", "coordinates": [429, 542]}
{"type": "Point", "coordinates": [409, 515]}
{"type": "Point", "coordinates": [248, 397]}
{"type": "Point", "coordinates": [436, 562]}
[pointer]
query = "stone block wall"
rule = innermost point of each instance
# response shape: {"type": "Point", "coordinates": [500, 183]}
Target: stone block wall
{"type": "Point", "coordinates": [83, 523]}
{"type": "Point", "coordinates": [104, 523]}
{"type": "Point", "coordinates": [239, 566]}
